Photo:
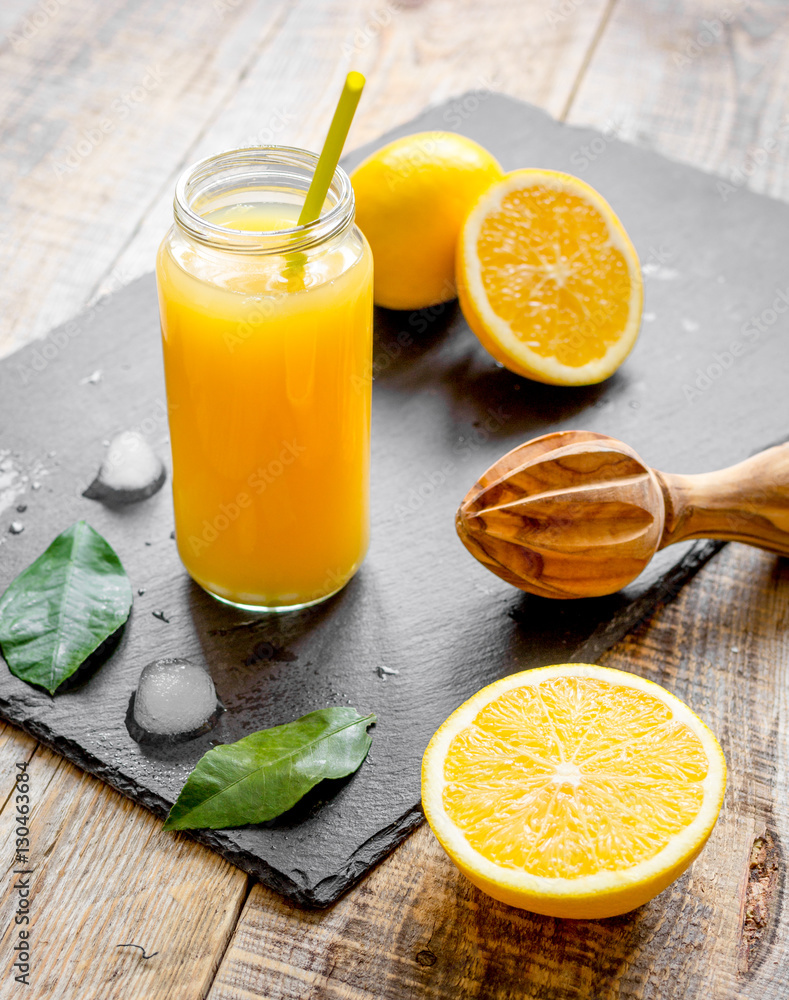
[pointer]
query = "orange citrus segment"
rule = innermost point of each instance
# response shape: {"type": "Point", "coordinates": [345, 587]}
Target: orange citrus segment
{"type": "Point", "coordinates": [573, 790]}
{"type": "Point", "coordinates": [548, 278]}
{"type": "Point", "coordinates": [601, 777]}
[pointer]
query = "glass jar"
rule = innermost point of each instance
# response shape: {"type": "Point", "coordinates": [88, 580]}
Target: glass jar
{"type": "Point", "coordinates": [267, 339]}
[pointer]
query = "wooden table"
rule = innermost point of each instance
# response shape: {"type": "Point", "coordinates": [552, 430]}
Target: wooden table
{"type": "Point", "coordinates": [103, 102]}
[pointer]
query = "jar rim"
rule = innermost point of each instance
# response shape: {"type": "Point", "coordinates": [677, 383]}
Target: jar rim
{"type": "Point", "coordinates": [301, 163]}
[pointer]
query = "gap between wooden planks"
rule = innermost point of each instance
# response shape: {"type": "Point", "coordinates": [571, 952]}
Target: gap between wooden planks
{"type": "Point", "coordinates": [416, 928]}
{"type": "Point", "coordinates": [110, 99]}
{"type": "Point", "coordinates": [716, 102]}
{"type": "Point", "coordinates": [133, 884]}
{"type": "Point", "coordinates": [224, 65]}
{"type": "Point", "coordinates": [165, 83]}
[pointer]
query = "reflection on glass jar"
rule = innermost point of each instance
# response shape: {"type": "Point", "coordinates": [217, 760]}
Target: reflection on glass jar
{"type": "Point", "coordinates": [267, 333]}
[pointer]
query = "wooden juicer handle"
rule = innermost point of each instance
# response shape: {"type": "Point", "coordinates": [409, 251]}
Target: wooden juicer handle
{"type": "Point", "coordinates": [748, 502]}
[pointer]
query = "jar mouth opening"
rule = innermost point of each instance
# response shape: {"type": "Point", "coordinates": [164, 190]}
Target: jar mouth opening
{"type": "Point", "coordinates": [254, 171]}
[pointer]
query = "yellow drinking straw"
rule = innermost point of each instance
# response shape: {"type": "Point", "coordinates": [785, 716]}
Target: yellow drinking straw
{"type": "Point", "coordinates": [332, 148]}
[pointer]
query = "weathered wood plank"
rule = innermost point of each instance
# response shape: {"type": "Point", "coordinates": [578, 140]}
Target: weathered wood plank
{"type": "Point", "coordinates": [417, 928]}
{"type": "Point", "coordinates": [718, 932]}
{"type": "Point", "coordinates": [705, 118]}
{"type": "Point", "coordinates": [15, 748]}
{"type": "Point", "coordinates": [65, 220]}
{"type": "Point", "coordinates": [413, 55]}
{"type": "Point", "coordinates": [703, 81]}
{"type": "Point", "coordinates": [85, 208]}
{"type": "Point", "coordinates": [98, 107]}
{"type": "Point", "coordinates": [105, 874]}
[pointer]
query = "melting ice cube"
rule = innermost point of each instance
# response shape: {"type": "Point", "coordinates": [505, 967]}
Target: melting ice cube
{"type": "Point", "coordinates": [175, 699]}
{"type": "Point", "coordinates": [129, 473]}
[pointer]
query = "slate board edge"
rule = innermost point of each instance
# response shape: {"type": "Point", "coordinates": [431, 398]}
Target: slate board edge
{"type": "Point", "coordinates": [369, 853]}
{"type": "Point", "coordinates": [325, 893]}
{"type": "Point", "coordinates": [353, 157]}
{"type": "Point", "coordinates": [329, 890]}
{"type": "Point", "coordinates": [663, 591]}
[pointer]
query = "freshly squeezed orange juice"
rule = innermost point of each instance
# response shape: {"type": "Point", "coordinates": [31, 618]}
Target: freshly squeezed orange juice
{"type": "Point", "coordinates": [267, 354]}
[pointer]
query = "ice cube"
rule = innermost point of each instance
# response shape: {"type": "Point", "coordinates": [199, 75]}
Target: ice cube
{"type": "Point", "coordinates": [174, 697]}
{"type": "Point", "coordinates": [129, 473]}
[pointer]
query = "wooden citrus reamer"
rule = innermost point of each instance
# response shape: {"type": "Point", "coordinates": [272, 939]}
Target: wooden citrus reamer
{"type": "Point", "coordinates": [579, 514]}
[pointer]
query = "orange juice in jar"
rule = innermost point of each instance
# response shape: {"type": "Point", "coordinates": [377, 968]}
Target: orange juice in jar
{"type": "Point", "coordinates": [267, 333]}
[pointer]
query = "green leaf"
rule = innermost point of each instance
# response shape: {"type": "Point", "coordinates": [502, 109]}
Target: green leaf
{"type": "Point", "coordinates": [62, 607]}
{"type": "Point", "coordinates": [263, 775]}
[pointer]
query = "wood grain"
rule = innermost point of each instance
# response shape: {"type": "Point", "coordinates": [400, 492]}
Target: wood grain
{"type": "Point", "coordinates": [107, 102]}
{"type": "Point", "coordinates": [564, 515]}
{"type": "Point", "coordinates": [748, 502]}
{"type": "Point", "coordinates": [579, 514]}
{"type": "Point", "coordinates": [105, 874]}
{"type": "Point", "coordinates": [81, 218]}
{"type": "Point", "coordinates": [416, 928]}
{"type": "Point", "coordinates": [702, 81]}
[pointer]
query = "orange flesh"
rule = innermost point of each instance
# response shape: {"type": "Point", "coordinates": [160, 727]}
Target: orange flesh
{"type": "Point", "coordinates": [550, 271]}
{"type": "Point", "coordinates": [573, 776]}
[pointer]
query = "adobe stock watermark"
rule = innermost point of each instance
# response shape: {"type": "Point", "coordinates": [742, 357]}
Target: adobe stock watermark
{"type": "Point", "coordinates": [255, 317]}
{"type": "Point", "coordinates": [387, 352]}
{"type": "Point", "coordinates": [52, 347]}
{"type": "Point", "coordinates": [367, 33]}
{"type": "Point", "coordinates": [22, 873]}
{"type": "Point", "coordinates": [585, 155]}
{"type": "Point", "coordinates": [755, 157]}
{"type": "Point", "coordinates": [557, 13]}
{"type": "Point", "coordinates": [72, 157]}
{"type": "Point", "coordinates": [383, 358]}
{"type": "Point", "coordinates": [270, 133]}
{"type": "Point", "coordinates": [42, 14]}
{"type": "Point", "coordinates": [224, 7]}
{"type": "Point", "coordinates": [653, 263]}
{"type": "Point", "coordinates": [751, 332]}
{"type": "Point", "coordinates": [420, 154]}
{"type": "Point", "coordinates": [257, 482]}
{"type": "Point", "coordinates": [423, 153]}
{"type": "Point", "coordinates": [462, 450]}
{"type": "Point", "coordinates": [461, 109]}
{"type": "Point", "coordinates": [334, 580]}
{"type": "Point", "coordinates": [711, 32]}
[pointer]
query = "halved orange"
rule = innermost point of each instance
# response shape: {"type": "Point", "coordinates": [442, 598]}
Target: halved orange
{"type": "Point", "coordinates": [573, 790]}
{"type": "Point", "coordinates": [548, 278]}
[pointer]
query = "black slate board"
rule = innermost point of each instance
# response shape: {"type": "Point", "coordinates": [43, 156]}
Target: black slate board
{"type": "Point", "coordinates": [422, 626]}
